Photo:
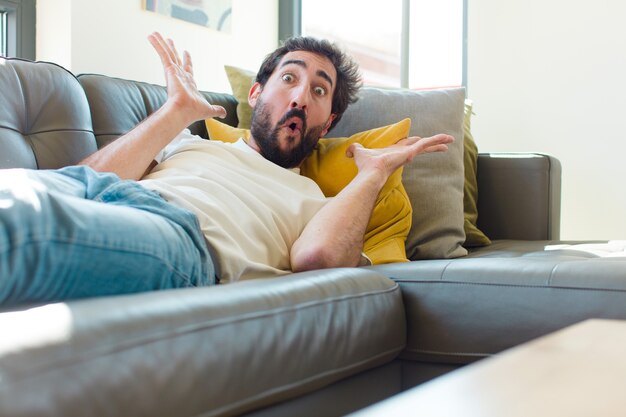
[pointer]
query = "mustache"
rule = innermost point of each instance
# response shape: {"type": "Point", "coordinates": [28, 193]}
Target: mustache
{"type": "Point", "coordinates": [299, 113]}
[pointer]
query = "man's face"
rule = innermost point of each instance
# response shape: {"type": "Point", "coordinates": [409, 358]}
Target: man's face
{"type": "Point", "coordinates": [293, 110]}
{"type": "Point", "coordinates": [267, 136]}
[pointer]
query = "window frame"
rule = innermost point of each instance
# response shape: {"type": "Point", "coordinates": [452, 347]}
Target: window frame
{"type": "Point", "coordinates": [290, 24]}
{"type": "Point", "coordinates": [20, 28]}
{"type": "Point", "coordinates": [4, 46]}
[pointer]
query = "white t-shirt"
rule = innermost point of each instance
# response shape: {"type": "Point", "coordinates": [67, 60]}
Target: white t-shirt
{"type": "Point", "coordinates": [250, 210]}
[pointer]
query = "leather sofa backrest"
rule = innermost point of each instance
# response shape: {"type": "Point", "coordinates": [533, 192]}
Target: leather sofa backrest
{"type": "Point", "coordinates": [50, 119]}
{"type": "Point", "coordinates": [44, 116]}
{"type": "Point", "coordinates": [118, 105]}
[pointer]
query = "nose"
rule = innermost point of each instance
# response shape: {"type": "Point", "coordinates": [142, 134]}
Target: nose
{"type": "Point", "coordinates": [300, 99]}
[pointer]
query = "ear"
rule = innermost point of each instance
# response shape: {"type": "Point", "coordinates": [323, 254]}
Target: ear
{"type": "Point", "coordinates": [254, 93]}
{"type": "Point", "coordinates": [332, 117]}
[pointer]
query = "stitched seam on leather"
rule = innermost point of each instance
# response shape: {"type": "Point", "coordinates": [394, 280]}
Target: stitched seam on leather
{"type": "Point", "coordinates": [100, 351]}
{"type": "Point", "coordinates": [308, 304]}
{"type": "Point", "coordinates": [58, 130]}
{"type": "Point", "coordinates": [26, 114]}
{"type": "Point", "coordinates": [12, 129]}
{"type": "Point", "coordinates": [144, 99]}
{"type": "Point", "coordinates": [488, 284]}
{"type": "Point", "coordinates": [443, 271]}
{"type": "Point", "coordinates": [549, 282]}
{"type": "Point", "coordinates": [23, 95]}
{"type": "Point", "coordinates": [110, 134]}
{"type": "Point", "coordinates": [550, 202]}
{"type": "Point", "coordinates": [305, 381]}
{"type": "Point", "coordinates": [45, 131]}
{"type": "Point", "coordinates": [442, 353]}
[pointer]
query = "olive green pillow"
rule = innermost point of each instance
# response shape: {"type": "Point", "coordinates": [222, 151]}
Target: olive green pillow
{"type": "Point", "coordinates": [240, 82]}
{"type": "Point", "coordinates": [473, 236]}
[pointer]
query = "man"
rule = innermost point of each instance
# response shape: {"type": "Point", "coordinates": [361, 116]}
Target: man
{"type": "Point", "coordinates": [196, 210]}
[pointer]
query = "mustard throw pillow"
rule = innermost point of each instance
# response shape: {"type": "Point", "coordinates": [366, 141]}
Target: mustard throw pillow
{"type": "Point", "coordinates": [332, 170]}
{"type": "Point", "coordinates": [474, 237]}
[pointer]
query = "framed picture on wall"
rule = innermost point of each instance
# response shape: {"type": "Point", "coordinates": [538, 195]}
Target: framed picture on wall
{"type": "Point", "coordinates": [214, 14]}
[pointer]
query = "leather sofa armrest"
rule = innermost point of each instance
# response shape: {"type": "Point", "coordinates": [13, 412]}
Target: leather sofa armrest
{"type": "Point", "coordinates": [220, 350]}
{"type": "Point", "coordinates": [519, 196]}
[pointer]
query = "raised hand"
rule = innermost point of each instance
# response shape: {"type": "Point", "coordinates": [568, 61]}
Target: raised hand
{"type": "Point", "coordinates": [334, 236]}
{"type": "Point", "coordinates": [182, 91]}
{"type": "Point", "coordinates": [387, 160]}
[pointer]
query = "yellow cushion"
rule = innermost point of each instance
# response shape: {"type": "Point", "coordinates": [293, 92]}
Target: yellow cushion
{"type": "Point", "coordinates": [332, 170]}
{"type": "Point", "coordinates": [225, 133]}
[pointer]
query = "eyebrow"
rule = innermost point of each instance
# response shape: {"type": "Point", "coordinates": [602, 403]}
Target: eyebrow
{"type": "Point", "coordinates": [303, 64]}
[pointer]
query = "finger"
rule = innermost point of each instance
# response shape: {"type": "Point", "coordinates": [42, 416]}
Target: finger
{"type": "Point", "coordinates": [218, 111]}
{"type": "Point", "coordinates": [441, 138]}
{"type": "Point", "coordinates": [352, 149]}
{"type": "Point", "coordinates": [166, 48]}
{"type": "Point", "coordinates": [433, 140]}
{"type": "Point", "coordinates": [160, 47]}
{"type": "Point", "coordinates": [409, 141]}
{"type": "Point", "coordinates": [174, 53]}
{"type": "Point", "coordinates": [187, 64]}
{"type": "Point", "coordinates": [436, 148]}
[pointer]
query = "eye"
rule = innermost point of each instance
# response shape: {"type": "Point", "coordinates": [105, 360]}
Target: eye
{"type": "Point", "coordinates": [288, 77]}
{"type": "Point", "coordinates": [320, 91]}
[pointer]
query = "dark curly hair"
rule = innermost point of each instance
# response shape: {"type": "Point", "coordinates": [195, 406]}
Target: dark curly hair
{"type": "Point", "coordinates": [348, 76]}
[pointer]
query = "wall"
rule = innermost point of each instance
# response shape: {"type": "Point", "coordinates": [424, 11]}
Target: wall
{"type": "Point", "coordinates": [109, 37]}
{"type": "Point", "coordinates": [548, 76]}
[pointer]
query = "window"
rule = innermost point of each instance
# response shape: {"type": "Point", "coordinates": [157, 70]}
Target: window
{"type": "Point", "coordinates": [3, 33]}
{"type": "Point", "coordinates": [371, 34]}
{"type": "Point", "coordinates": [397, 43]}
{"type": "Point", "coordinates": [436, 43]}
{"type": "Point", "coordinates": [17, 28]}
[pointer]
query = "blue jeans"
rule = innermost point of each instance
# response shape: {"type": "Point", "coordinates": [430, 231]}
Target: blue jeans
{"type": "Point", "coordinates": [74, 233]}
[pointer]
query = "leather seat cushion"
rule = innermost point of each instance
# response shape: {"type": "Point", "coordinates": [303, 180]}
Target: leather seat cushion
{"type": "Point", "coordinates": [500, 296]}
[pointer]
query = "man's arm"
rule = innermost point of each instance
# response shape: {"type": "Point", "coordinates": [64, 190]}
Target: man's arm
{"type": "Point", "coordinates": [335, 235]}
{"type": "Point", "coordinates": [132, 155]}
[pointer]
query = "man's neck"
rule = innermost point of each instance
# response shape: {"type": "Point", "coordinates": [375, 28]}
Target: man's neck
{"type": "Point", "coordinates": [252, 143]}
{"type": "Point", "coordinates": [255, 147]}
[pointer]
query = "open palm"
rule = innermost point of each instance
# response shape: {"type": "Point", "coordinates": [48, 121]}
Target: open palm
{"type": "Point", "coordinates": [387, 160]}
{"type": "Point", "coordinates": [181, 86]}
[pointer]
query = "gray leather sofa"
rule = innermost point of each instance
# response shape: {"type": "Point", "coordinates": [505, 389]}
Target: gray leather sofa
{"type": "Point", "coordinates": [320, 343]}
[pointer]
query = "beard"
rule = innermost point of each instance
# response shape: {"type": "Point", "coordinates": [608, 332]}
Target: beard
{"type": "Point", "coordinates": [266, 136]}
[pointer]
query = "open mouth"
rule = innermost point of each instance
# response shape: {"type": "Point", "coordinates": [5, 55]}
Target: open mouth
{"type": "Point", "coordinates": [294, 125]}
